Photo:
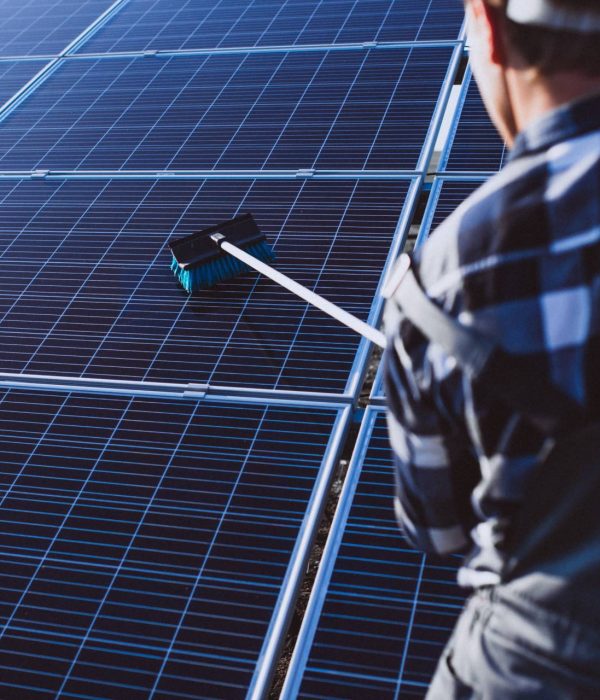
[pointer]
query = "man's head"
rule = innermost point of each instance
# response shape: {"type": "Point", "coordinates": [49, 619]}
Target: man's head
{"type": "Point", "coordinates": [529, 56]}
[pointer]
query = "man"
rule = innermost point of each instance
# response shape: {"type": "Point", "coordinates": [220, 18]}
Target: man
{"type": "Point", "coordinates": [519, 264]}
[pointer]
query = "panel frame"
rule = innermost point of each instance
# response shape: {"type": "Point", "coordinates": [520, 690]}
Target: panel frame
{"type": "Point", "coordinates": [279, 48]}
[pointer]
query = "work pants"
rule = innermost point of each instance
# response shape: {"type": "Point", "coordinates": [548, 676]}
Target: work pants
{"type": "Point", "coordinates": [504, 647]}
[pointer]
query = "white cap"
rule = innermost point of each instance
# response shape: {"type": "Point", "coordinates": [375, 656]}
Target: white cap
{"type": "Point", "coordinates": [547, 13]}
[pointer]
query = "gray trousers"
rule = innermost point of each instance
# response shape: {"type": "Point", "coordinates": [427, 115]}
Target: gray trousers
{"type": "Point", "coordinates": [506, 648]}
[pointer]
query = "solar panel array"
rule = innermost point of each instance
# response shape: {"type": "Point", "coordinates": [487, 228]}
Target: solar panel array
{"type": "Point", "coordinates": [167, 457]}
{"type": "Point", "coordinates": [383, 611]}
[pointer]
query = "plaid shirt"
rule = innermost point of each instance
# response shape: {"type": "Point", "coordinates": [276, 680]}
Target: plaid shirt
{"type": "Point", "coordinates": [519, 260]}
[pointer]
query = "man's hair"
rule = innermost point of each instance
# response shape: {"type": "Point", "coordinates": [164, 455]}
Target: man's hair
{"type": "Point", "coordinates": [554, 50]}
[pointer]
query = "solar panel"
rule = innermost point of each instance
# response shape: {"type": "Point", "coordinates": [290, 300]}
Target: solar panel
{"type": "Point", "coordinates": [380, 612]}
{"type": "Point", "coordinates": [446, 196]}
{"type": "Point", "coordinates": [87, 288]}
{"type": "Point", "coordinates": [323, 109]}
{"type": "Point", "coordinates": [34, 27]}
{"type": "Point", "coordinates": [168, 24]}
{"type": "Point", "coordinates": [14, 75]}
{"type": "Point", "coordinates": [476, 145]}
{"type": "Point", "coordinates": [145, 543]}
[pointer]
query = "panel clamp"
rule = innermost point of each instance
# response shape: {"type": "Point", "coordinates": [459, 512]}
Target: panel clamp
{"type": "Point", "coordinates": [195, 391]}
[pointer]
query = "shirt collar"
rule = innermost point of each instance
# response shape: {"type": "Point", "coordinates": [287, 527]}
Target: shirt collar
{"type": "Point", "coordinates": [561, 124]}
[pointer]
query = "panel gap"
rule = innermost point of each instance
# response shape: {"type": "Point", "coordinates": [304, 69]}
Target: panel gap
{"type": "Point", "coordinates": [313, 562]}
{"type": "Point", "coordinates": [459, 78]}
{"type": "Point", "coordinates": [376, 352]}
{"type": "Point", "coordinates": [449, 118]}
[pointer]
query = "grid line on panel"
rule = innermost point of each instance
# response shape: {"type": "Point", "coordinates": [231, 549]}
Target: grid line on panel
{"type": "Point", "coordinates": [94, 27]}
{"type": "Point", "coordinates": [74, 503]}
{"type": "Point", "coordinates": [127, 549]}
{"type": "Point", "coordinates": [120, 525]}
{"type": "Point", "coordinates": [380, 613]}
{"type": "Point", "coordinates": [328, 254]}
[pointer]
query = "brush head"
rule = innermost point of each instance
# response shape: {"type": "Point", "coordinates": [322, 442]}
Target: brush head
{"type": "Point", "coordinates": [199, 263]}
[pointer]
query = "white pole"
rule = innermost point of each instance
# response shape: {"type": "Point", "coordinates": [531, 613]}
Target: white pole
{"type": "Point", "coordinates": [330, 309]}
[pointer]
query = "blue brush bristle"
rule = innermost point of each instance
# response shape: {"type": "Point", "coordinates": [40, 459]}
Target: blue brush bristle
{"type": "Point", "coordinates": [221, 269]}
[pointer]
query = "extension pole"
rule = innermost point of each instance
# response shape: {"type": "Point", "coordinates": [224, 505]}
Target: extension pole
{"type": "Point", "coordinates": [330, 309]}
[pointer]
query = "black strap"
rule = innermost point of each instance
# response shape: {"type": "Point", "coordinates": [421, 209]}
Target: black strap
{"type": "Point", "coordinates": [483, 360]}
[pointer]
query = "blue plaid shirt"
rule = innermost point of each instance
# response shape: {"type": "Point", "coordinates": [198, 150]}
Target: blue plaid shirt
{"type": "Point", "coordinates": [519, 260]}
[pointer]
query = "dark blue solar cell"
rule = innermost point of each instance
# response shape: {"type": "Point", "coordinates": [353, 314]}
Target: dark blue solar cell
{"type": "Point", "coordinates": [14, 75]}
{"type": "Point", "coordinates": [180, 24]}
{"type": "Point", "coordinates": [31, 27]}
{"type": "Point", "coordinates": [387, 610]}
{"type": "Point", "coordinates": [477, 145]}
{"type": "Point", "coordinates": [145, 543]}
{"type": "Point", "coordinates": [336, 109]}
{"type": "Point", "coordinates": [449, 196]}
{"type": "Point", "coordinates": [87, 288]}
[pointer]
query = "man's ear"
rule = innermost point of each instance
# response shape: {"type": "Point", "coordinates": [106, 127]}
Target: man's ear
{"type": "Point", "coordinates": [490, 21]}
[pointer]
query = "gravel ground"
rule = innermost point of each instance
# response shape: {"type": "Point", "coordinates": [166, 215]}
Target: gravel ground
{"type": "Point", "coordinates": [317, 552]}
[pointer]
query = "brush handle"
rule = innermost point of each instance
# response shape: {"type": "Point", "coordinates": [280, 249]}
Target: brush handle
{"type": "Point", "coordinates": [330, 309]}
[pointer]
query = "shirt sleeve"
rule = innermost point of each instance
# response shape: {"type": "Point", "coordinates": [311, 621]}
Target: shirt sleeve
{"type": "Point", "coordinates": [436, 468]}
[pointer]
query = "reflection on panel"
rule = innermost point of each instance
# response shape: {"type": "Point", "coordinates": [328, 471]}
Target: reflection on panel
{"type": "Point", "coordinates": [337, 109]}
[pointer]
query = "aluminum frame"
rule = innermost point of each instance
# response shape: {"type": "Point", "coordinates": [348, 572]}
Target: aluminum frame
{"type": "Point", "coordinates": [320, 589]}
